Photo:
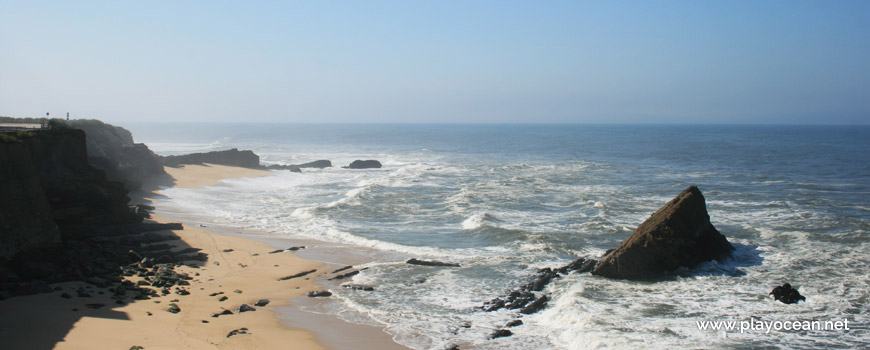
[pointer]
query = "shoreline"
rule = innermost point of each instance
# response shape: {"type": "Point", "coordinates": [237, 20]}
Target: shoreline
{"type": "Point", "coordinates": [238, 270]}
{"type": "Point", "coordinates": [329, 330]}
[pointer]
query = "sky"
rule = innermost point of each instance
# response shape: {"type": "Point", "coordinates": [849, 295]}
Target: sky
{"type": "Point", "coordinates": [699, 62]}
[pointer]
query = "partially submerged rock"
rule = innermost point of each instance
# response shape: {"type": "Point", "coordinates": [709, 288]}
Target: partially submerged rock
{"type": "Point", "coordinates": [345, 275]}
{"type": "Point", "coordinates": [786, 294]}
{"type": "Point", "coordinates": [319, 294]}
{"type": "Point", "coordinates": [320, 164]}
{"type": "Point", "coordinates": [364, 164]}
{"type": "Point", "coordinates": [430, 263]}
{"type": "Point", "coordinates": [525, 298]}
{"type": "Point", "coordinates": [677, 235]}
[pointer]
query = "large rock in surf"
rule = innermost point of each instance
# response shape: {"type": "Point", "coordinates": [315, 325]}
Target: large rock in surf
{"type": "Point", "coordinates": [677, 235]}
{"type": "Point", "coordinates": [364, 164]}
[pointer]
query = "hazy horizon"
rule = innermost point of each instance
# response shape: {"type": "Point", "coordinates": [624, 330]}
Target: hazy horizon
{"type": "Point", "coordinates": [481, 62]}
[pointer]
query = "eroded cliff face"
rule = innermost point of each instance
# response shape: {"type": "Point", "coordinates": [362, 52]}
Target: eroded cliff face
{"type": "Point", "coordinates": [50, 192]}
{"type": "Point", "coordinates": [25, 215]}
{"type": "Point", "coordinates": [111, 149]}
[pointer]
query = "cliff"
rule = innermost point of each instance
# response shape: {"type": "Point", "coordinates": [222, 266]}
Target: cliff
{"type": "Point", "coordinates": [25, 215]}
{"type": "Point", "coordinates": [51, 193]}
{"type": "Point", "coordinates": [111, 149]}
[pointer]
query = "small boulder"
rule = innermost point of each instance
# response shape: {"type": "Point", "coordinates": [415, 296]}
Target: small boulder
{"type": "Point", "coordinates": [514, 323]}
{"type": "Point", "coordinates": [246, 308]}
{"type": "Point", "coordinates": [261, 302]}
{"type": "Point", "coordinates": [222, 313]}
{"type": "Point", "coordinates": [500, 333]}
{"type": "Point", "coordinates": [239, 331]}
{"type": "Point", "coordinates": [173, 308]}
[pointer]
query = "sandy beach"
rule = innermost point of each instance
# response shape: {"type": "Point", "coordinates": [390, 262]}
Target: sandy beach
{"type": "Point", "coordinates": [238, 271]}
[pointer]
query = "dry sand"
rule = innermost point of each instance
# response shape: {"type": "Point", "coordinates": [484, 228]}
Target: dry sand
{"type": "Point", "coordinates": [243, 270]}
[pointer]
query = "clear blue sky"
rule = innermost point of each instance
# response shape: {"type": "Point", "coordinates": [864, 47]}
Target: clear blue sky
{"type": "Point", "coordinates": [438, 61]}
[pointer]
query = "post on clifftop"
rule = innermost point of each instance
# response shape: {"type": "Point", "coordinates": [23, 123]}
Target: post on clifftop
{"type": "Point", "coordinates": [67, 115]}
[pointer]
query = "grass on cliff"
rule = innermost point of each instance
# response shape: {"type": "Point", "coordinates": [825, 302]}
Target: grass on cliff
{"type": "Point", "coordinates": [15, 136]}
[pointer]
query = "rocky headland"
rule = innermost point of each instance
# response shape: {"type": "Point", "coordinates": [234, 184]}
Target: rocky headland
{"type": "Point", "coordinates": [111, 149]}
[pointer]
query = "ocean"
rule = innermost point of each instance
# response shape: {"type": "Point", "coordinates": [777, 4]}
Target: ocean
{"type": "Point", "coordinates": [506, 200]}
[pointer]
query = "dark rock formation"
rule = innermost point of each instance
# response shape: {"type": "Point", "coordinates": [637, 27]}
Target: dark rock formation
{"type": "Point", "coordinates": [301, 274]}
{"type": "Point", "coordinates": [230, 157]}
{"type": "Point", "coordinates": [340, 269]}
{"type": "Point", "coordinates": [500, 333]}
{"type": "Point", "coordinates": [246, 308]}
{"type": "Point", "coordinates": [239, 331]}
{"type": "Point", "coordinates": [525, 298]}
{"type": "Point", "coordinates": [345, 275]}
{"type": "Point", "coordinates": [319, 294]}
{"type": "Point", "coordinates": [292, 168]}
{"type": "Point", "coordinates": [786, 294]}
{"type": "Point", "coordinates": [111, 149]}
{"type": "Point", "coordinates": [364, 164]}
{"type": "Point", "coordinates": [677, 235]}
{"type": "Point", "coordinates": [173, 308]}
{"type": "Point", "coordinates": [297, 168]}
{"type": "Point", "coordinates": [514, 323]}
{"type": "Point", "coordinates": [50, 192]}
{"type": "Point", "coordinates": [536, 305]}
{"type": "Point", "coordinates": [25, 214]}
{"type": "Point", "coordinates": [359, 287]}
{"type": "Point", "coordinates": [430, 263]}
{"type": "Point", "coordinates": [319, 164]}
{"type": "Point", "coordinates": [222, 313]}
{"type": "Point", "coordinates": [261, 302]}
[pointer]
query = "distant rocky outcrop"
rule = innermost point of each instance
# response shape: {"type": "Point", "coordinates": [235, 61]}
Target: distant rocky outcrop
{"type": "Point", "coordinates": [112, 150]}
{"type": "Point", "coordinates": [297, 168]}
{"type": "Point", "coordinates": [230, 157]}
{"type": "Point", "coordinates": [364, 164]}
{"type": "Point", "coordinates": [677, 235]}
{"type": "Point", "coordinates": [292, 168]}
{"type": "Point", "coordinates": [320, 164]}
